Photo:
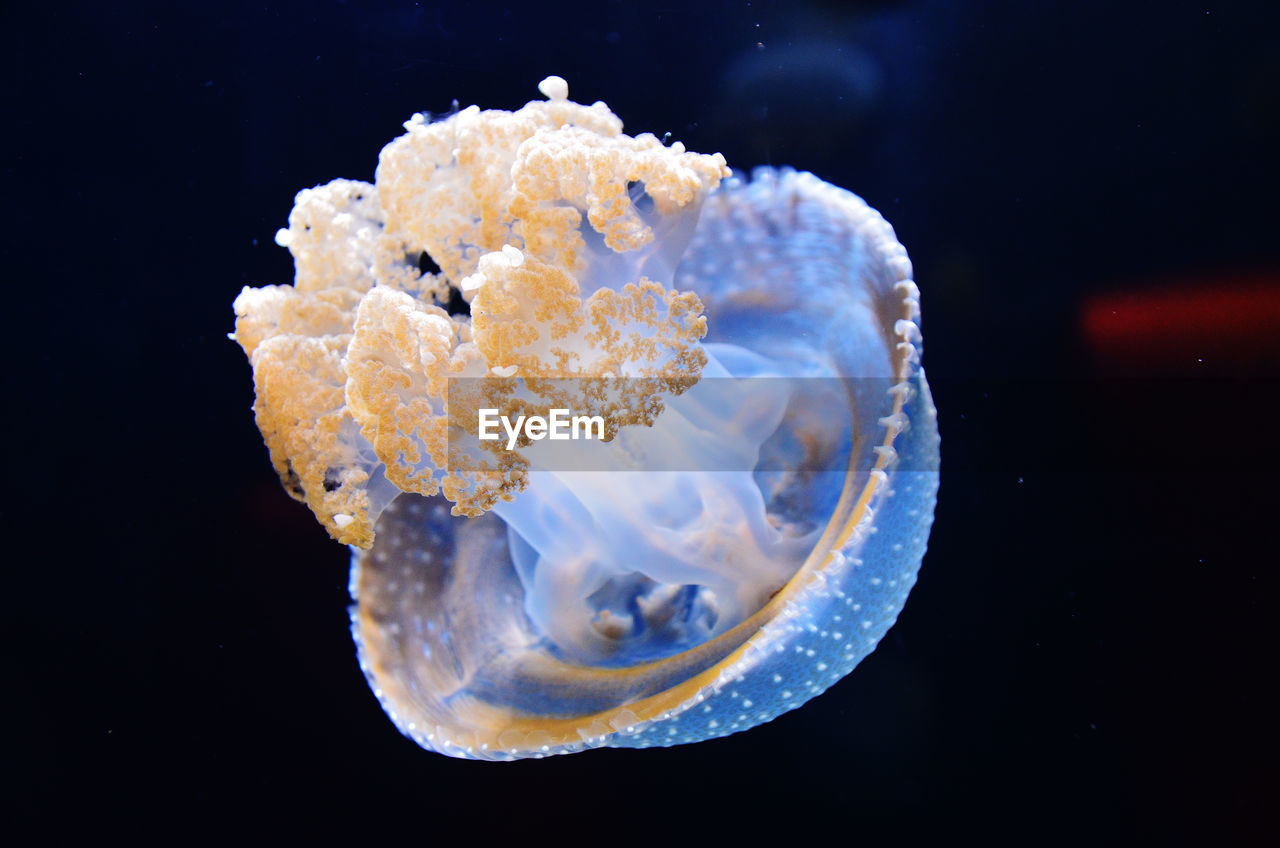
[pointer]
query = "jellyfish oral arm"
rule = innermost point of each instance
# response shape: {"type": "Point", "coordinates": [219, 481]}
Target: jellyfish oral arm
{"type": "Point", "coordinates": [561, 232]}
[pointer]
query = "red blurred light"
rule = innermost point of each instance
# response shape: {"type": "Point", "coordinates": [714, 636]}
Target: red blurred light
{"type": "Point", "coordinates": [1215, 324]}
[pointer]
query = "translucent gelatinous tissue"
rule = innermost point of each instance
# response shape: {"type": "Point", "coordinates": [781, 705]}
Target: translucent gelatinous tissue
{"type": "Point", "coordinates": [750, 525]}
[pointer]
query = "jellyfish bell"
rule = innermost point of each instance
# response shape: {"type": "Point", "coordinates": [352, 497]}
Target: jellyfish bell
{"type": "Point", "coordinates": [752, 524]}
{"type": "Point", "coordinates": [507, 691]}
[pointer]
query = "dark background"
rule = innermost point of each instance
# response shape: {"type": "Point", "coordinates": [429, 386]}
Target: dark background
{"type": "Point", "coordinates": [1085, 655]}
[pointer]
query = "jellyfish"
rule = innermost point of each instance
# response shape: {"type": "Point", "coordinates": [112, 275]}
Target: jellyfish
{"type": "Point", "coordinates": [754, 510]}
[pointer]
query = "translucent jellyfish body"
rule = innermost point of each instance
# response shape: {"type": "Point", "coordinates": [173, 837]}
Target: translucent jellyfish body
{"type": "Point", "coordinates": [752, 524]}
